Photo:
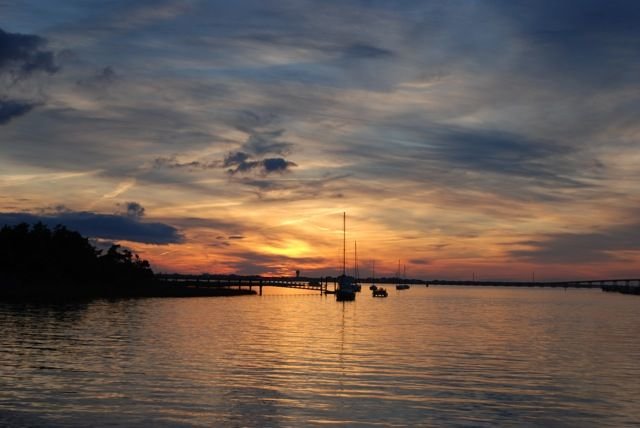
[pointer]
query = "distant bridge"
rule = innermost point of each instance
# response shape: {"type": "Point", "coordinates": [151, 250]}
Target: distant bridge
{"type": "Point", "coordinates": [599, 283]}
{"type": "Point", "coordinates": [233, 281]}
{"type": "Point", "coordinates": [626, 285]}
{"type": "Point", "coordinates": [321, 285]}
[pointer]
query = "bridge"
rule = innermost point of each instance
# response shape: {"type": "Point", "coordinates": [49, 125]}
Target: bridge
{"type": "Point", "coordinates": [322, 285]}
{"type": "Point", "coordinates": [627, 285]}
{"type": "Point", "coordinates": [246, 282]}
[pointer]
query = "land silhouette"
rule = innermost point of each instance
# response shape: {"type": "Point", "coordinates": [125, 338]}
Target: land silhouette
{"type": "Point", "coordinates": [37, 262]}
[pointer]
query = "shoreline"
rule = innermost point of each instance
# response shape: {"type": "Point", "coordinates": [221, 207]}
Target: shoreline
{"type": "Point", "coordinates": [53, 293]}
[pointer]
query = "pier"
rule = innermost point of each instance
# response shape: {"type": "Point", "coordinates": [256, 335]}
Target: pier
{"type": "Point", "coordinates": [322, 285]}
{"type": "Point", "coordinates": [246, 282]}
{"type": "Point", "coordinates": [626, 285]}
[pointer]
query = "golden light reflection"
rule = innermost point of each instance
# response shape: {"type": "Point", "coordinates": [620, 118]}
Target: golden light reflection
{"type": "Point", "coordinates": [289, 248]}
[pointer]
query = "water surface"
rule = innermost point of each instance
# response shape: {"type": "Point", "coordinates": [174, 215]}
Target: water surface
{"type": "Point", "coordinates": [455, 356]}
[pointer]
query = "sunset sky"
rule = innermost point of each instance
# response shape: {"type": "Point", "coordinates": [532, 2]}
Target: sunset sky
{"type": "Point", "coordinates": [499, 138]}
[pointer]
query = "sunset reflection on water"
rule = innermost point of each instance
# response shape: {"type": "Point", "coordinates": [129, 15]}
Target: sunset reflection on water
{"type": "Point", "coordinates": [425, 356]}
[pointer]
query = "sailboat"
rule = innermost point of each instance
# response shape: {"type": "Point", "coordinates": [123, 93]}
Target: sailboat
{"type": "Point", "coordinates": [356, 271]}
{"type": "Point", "coordinates": [377, 291]}
{"type": "Point", "coordinates": [346, 289]}
{"type": "Point", "coordinates": [402, 285]}
{"type": "Point", "coordinates": [373, 286]}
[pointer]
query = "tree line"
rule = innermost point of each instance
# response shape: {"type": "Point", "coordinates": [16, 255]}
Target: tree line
{"type": "Point", "coordinates": [37, 257]}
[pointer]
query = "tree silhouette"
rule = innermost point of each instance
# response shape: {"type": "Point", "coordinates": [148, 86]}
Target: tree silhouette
{"type": "Point", "coordinates": [39, 258]}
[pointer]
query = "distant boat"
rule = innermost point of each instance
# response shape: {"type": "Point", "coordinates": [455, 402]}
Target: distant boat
{"type": "Point", "coordinates": [346, 290]}
{"type": "Point", "coordinates": [356, 272]}
{"type": "Point", "coordinates": [373, 286]}
{"type": "Point", "coordinates": [402, 285]}
{"type": "Point", "coordinates": [380, 292]}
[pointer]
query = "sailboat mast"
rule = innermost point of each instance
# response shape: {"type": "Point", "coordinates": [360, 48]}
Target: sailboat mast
{"type": "Point", "coordinates": [344, 243]}
{"type": "Point", "coordinates": [356, 274]}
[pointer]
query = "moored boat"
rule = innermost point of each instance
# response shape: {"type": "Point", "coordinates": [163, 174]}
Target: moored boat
{"type": "Point", "coordinates": [401, 284]}
{"type": "Point", "coordinates": [380, 292]}
{"type": "Point", "coordinates": [373, 286]}
{"type": "Point", "coordinates": [346, 288]}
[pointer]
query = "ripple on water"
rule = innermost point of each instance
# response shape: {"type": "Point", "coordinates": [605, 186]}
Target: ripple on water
{"type": "Point", "coordinates": [454, 356]}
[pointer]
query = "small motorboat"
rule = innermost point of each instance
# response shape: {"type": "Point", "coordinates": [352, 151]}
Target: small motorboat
{"type": "Point", "coordinates": [380, 292]}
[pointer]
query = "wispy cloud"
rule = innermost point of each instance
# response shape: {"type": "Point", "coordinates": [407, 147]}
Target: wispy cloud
{"type": "Point", "coordinates": [464, 125]}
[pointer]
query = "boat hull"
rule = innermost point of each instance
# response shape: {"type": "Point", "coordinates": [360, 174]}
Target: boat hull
{"type": "Point", "coordinates": [380, 293]}
{"type": "Point", "coordinates": [345, 295]}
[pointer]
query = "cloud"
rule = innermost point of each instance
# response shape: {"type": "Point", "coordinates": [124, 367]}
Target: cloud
{"type": "Point", "coordinates": [134, 210]}
{"type": "Point", "coordinates": [367, 51]}
{"type": "Point", "coordinates": [276, 165]}
{"type": "Point", "coordinates": [23, 54]}
{"type": "Point", "coordinates": [103, 78]}
{"type": "Point", "coordinates": [254, 263]}
{"type": "Point", "coordinates": [102, 226]}
{"type": "Point", "coordinates": [465, 115]}
{"type": "Point", "coordinates": [592, 247]}
{"type": "Point", "coordinates": [498, 152]}
{"type": "Point", "coordinates": [10, 109]}
{"type": "Point", "coordinates": [172, 162]}
{"type": "Point", "coordinates": [236, 158]}
{"type": "Point", "coordinates": [261, 143]}
{"type": "Point", "coordinates": [240, 162]}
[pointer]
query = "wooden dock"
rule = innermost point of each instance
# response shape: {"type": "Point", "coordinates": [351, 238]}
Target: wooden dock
{"type": "Point", "coordinates": [248, 282]}
{"type": "Point", "coordinates": [323, 285]}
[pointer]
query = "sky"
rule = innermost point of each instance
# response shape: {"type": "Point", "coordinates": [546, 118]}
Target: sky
{"type": "Point", "coordinates": [497, 139]}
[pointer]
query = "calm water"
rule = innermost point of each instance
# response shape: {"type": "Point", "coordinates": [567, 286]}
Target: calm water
{"type": "Point", "coordinates": [423, 357]}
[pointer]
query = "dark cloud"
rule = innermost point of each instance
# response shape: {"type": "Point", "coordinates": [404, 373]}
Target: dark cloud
{"type": "Point", "coordinates": [595, 41]}
{"type": "Point", "coordinates": [134, 210]}
{"type": "Point", "coordinates": [172, 162]}
{"type": "Point", "coordinates": [10, 109]}
{"type": "Point", "coordinates": [240, 162]}
{"type": "Point", "coordinates": [23, 54]}
{"type": "Point", "coordinates": [236, 158]}
{"type": "Point", "coordinates": [276, 165]}
{"type": "Point", "coordinates": [103, 226]}
{"type": "Point", "coordinates": [581, 247]}
{"type": "Point", "coordinates": [498, 152]}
